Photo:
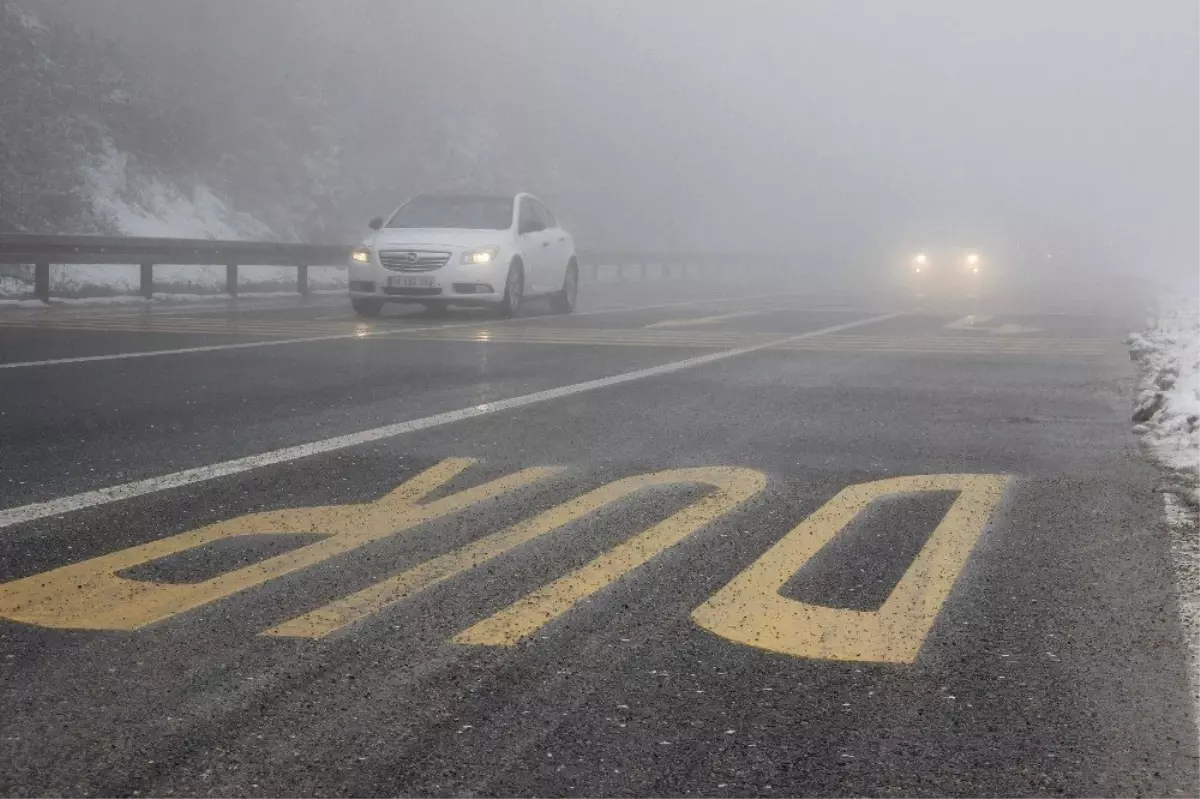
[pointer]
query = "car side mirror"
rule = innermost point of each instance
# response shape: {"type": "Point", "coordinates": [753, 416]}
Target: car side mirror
{"type": "Point", "coordinates": [375, 223]}
{"type": "Point", "coordinates": [530, 226]}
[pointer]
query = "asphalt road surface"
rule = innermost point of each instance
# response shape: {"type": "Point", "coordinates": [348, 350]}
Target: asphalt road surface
{"type": "Point", "coordinates": [688, 540]}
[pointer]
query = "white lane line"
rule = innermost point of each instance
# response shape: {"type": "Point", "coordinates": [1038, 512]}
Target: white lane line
{"type": "Point", "coordinates": [1185, 535]}
{"type": "Point", "coordinates": [103, 496]}
{"type": "Point", "coordinates": [117, 356]}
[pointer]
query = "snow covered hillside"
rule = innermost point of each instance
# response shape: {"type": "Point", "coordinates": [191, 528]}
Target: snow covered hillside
{"type": "Point", "coordinates": [151, 132]}
{"type": "Point", "coordinates": [144, 205]}
{"type": "Point", "coordinates": [90, 150]}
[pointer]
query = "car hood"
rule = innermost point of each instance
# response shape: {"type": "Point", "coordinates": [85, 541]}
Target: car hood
{"type": "Point", "coordinates": [434, 237]}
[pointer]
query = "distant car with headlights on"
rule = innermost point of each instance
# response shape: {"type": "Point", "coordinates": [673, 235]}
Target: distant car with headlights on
{"type": "Point", "coordinates": [465, 249]}
{"type": "Point", "coordinates": [931, 266]}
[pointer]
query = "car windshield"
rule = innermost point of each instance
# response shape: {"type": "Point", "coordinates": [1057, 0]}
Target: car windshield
{"type": "Point", "coordinates": [429, 211]}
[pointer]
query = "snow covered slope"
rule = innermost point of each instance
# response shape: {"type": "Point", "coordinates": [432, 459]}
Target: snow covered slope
{"type": "Point", "coordinates": [89, 149]}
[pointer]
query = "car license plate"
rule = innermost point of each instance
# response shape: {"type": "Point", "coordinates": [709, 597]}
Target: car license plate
{"type": "Point", "coordinates": [412, 282]}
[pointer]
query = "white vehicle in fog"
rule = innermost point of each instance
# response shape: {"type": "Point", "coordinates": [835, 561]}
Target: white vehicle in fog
{"type": "Point", "coordinates": [440, 250]}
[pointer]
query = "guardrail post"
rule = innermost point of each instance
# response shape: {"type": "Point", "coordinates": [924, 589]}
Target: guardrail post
{"type": "Point", "coordinates": [231, 279]}
{"type": "Point", "coordinates": [302, 279]}
{"type": "Point", "coordinates": [147, 280]}
{"type": "Point", "coordinates": [41, 282]}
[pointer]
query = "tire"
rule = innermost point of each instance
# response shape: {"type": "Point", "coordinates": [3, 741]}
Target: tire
{"type": "Point", "coordinates": [366, 307]}
{"type": "Point", "coordinates": [514, 291]}
{"type": "Point", "coordinates": [563, 301]}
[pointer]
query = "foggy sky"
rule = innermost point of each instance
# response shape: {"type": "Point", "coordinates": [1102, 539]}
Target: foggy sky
{"type": "Point", "coordinates": [843, 128]}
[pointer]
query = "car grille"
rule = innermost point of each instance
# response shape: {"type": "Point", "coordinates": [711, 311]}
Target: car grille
{"type": "Point", "coordinates": [412, 260]}
{"type": "Point", "coordinates": [408, 291]}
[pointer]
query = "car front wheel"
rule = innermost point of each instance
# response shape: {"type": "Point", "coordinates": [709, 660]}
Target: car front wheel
{"type": "Point", "coordinates": [514, 289]}
{"type": "Point", "coordinates": [564, 300]}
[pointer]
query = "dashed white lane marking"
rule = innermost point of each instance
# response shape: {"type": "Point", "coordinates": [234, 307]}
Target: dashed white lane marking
{"type": "Point", "coordinates": [116, 356]}
{"type": "Point", "coordinates": [103, 496]}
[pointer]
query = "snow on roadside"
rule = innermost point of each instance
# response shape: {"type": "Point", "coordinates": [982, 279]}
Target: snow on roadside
{"type": "Point", "coordinates": [1168, 403]}
{"type": "Point", "coordinates": [1167, 417]}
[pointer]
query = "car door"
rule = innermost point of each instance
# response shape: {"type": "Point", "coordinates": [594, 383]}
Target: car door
{"type": "Point", "coordinates": [556, 247]}
{"type": "Point", "coordinates": [534, 244]}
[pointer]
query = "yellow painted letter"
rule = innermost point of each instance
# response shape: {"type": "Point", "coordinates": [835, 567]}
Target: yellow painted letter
{"type": "Point", "coordinates": [528, 614]}
{"type": "Point", "coordinates": [734, 486]}
{"type": "Point", "coordinates": [749, 610]}
{"type": "Point", "coordinates": [90, 595]}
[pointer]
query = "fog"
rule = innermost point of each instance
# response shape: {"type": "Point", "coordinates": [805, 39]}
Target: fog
{"type": "Point", "coordinates": [838, 130]}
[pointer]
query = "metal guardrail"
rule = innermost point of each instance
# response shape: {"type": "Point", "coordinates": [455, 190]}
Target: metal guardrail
{"type": "Point", "coordinates": [46, 251]}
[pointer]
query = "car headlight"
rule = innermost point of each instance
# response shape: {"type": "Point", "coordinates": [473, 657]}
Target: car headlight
{"type": "Point", "coordinates": [481, 255]}
{"type": "Point", "coordinates": [361, 254]}
{"type": "Point", "coordinates": [920, 259]}
{"type": "Point", "coordinates": [972, 259]}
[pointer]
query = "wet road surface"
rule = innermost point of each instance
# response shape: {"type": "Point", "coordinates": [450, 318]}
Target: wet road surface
{"type": "Point", "coordinates": [688, 540]}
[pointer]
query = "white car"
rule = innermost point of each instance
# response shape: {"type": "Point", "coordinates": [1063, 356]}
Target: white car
{"type": "Point", "coordinates": [439, 250]}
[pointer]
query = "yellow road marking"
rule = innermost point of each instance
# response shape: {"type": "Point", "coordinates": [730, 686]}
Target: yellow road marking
{"type": "Point", "coordinates": [734, 486]}
{"type": "Point", "coordinates": [749, 610]}
{"type": "Point", "coordinates": [91, 595]}
{"type": "Point", "coordinates": [529, 614]}
{"type": "Point", "coordinates": [970, 322]}
{"type": "Point", "coordinates": [1013, 330]}
{"type": "Point", "coordinates": [976, 323]}
{"type": "Point", "coordinates": [703, 320]}
{"type": "Point", "coordinates": [1002, 342]}
{"type": "Point", "coordinates": [823, 343]}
